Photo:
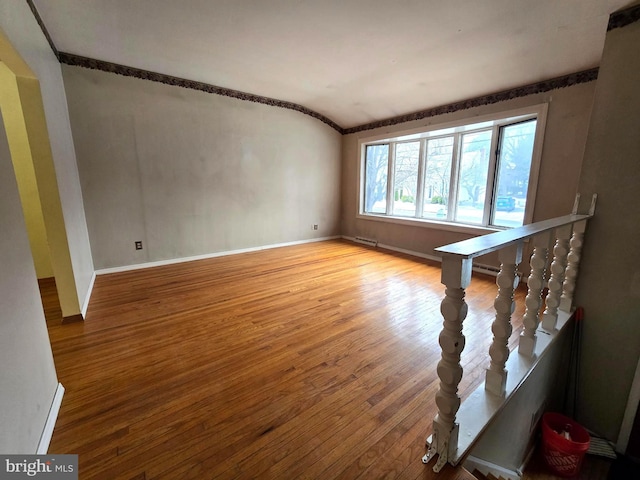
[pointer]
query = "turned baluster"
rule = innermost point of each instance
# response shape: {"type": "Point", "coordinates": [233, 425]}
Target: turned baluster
{"type": "Point", "coordinates": [456, 276]}
{"type": "Point", "coordinates": [556, 281]}
{"type": "Point", "coordinates": [507, 280]}
{"type": "Point", "coordinates": [533, 301]}
{"type": "Point", "coordinates": [573, 262]}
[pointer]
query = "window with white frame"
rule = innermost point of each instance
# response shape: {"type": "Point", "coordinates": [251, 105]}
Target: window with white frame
{"type": "Point", "coordinates": [480, 174]}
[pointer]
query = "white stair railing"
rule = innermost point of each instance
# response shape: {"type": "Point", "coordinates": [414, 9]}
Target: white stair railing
{"type": "Point", "coordinates": [567, 233]}
{"type": "Point", "coordinates": [533, 300]}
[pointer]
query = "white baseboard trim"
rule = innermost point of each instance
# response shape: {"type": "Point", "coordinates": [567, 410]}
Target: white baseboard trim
{"type": "Point", "coordinates": [87, 297]}
{"type": "Point", "coordinates": [473, 463]}
{"type": "Point", "coordinates": [410, 252]}
{"type": "Point", "coordinates": [47, 432]}
{"type": "Point", "coordinates": [127, 268]}
{"type": "Point", "coordinates": [486, 269]}
{"type": "Point", "coordinates": [398, 249]}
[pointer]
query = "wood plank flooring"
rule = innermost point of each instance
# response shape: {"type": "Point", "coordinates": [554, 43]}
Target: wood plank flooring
{"type": "Point", "coordinates": [315, 361]}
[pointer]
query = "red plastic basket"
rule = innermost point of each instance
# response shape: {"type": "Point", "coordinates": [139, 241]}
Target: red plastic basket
{"type": "Point", "coordinates": [563, 456]}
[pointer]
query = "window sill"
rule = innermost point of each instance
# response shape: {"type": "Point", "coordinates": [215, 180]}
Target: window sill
{"type": "Point", "coordinates": [433, 224]}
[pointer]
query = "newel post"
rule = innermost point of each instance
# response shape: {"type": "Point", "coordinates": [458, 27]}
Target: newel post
{"type": "Point", "coordinates": [496, 377]}
{"type": "Point", "coordinates": [456, 276]}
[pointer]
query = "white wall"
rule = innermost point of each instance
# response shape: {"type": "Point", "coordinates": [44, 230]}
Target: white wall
{"type": "Point", "coordinates": [19, 25]}
{"type": "Point", "coordinates": [27, 374]}
{"type": "Point", "coordinates": [609, 282]}
{"type": "Point", "coordinates": [191, 173]}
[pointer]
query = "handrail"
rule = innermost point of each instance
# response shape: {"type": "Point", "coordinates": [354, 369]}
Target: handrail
{"type": "Point", "coordinates": [557, 245]}
{"type": "Point", "coordinates": [474, 247]}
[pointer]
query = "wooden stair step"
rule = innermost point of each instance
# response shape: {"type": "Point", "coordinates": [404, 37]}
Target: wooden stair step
{"type": "Point", "coordinates": [489, 476]}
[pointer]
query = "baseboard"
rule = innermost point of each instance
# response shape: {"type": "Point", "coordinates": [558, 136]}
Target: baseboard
{"type": "Point", "coordinates": [410, 252]}
{"type": "Point", "coordinates": [87, 297]}
{"type": "Point", "coordinates": [473, 463]}
{"type": "Point", "coordinates": [398, 249]}
{"type": "Point", "coordinates": [127, 268]}
{"type": "Point", "coordinates": [47, 432]}
{"type": "Point", "coordinates": [486, 269]}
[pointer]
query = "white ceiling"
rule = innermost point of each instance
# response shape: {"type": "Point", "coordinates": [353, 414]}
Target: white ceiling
{"type": "Point", "coordinates": [353, 61]}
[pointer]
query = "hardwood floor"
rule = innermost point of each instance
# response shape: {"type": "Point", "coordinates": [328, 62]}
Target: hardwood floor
{"type": "Point", "coordinates": [310, 361]}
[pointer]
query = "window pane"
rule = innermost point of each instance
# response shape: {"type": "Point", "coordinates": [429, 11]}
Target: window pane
{"type": "Point", "coordinates": [472, 179]}
{"type": "Point", "coordinates": [375, 184]}
{"type": "Point", "coordinates": [437, 177]}
{"type": "Point", "coordinates": [406, 179]}
{"type": "Point", "coordinates": [514, 166]}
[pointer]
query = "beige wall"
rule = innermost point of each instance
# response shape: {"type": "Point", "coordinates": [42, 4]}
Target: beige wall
{"type": "Point", "coordinates": [609, 282]}
{"type": "Point", "coordinates": [190, 173]}
{"type": "Point", "coordinates": [567, 124]}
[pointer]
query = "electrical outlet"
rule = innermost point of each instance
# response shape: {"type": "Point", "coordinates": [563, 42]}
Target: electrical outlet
{"type": "Point", "coordinates": [139, 245]}
{"type": "Point", "coordinates": [315, 227]}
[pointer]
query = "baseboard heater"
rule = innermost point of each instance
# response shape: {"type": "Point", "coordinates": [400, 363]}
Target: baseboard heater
{"type": "Point", "coordinates": [366, 241]}
{"type": "Point", "coordinates": [486, 269]}
{"type": "Point", "coordinates": [494, 271]}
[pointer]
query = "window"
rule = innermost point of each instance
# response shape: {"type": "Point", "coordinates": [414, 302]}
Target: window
{"type": "Point", "coordinates": [480, 174]}
{"type": "Point", "coordinates": [377, 164]}
{"type": "Point", "coordinates": [405, 178]}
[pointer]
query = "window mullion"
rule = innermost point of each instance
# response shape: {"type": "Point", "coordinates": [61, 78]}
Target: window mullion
{"type": "Point", "coordinates": [422, 165]}
{"type": "Point", "coordinates": [487, 217]}
{"type": "Point", "coordinates": [453, 185]}
{"type": "Point", "coordinates": [391, 176]}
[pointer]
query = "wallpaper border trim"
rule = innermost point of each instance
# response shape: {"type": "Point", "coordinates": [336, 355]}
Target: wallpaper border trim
{"type": "Point", "coordinates": [622, 18]}
{"type": "Point", "coordinates": [43, 27]}
{"type": "Point", "coordinates": [92, 63]}
{"type": "Point", "coordinates": [532, 89]}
